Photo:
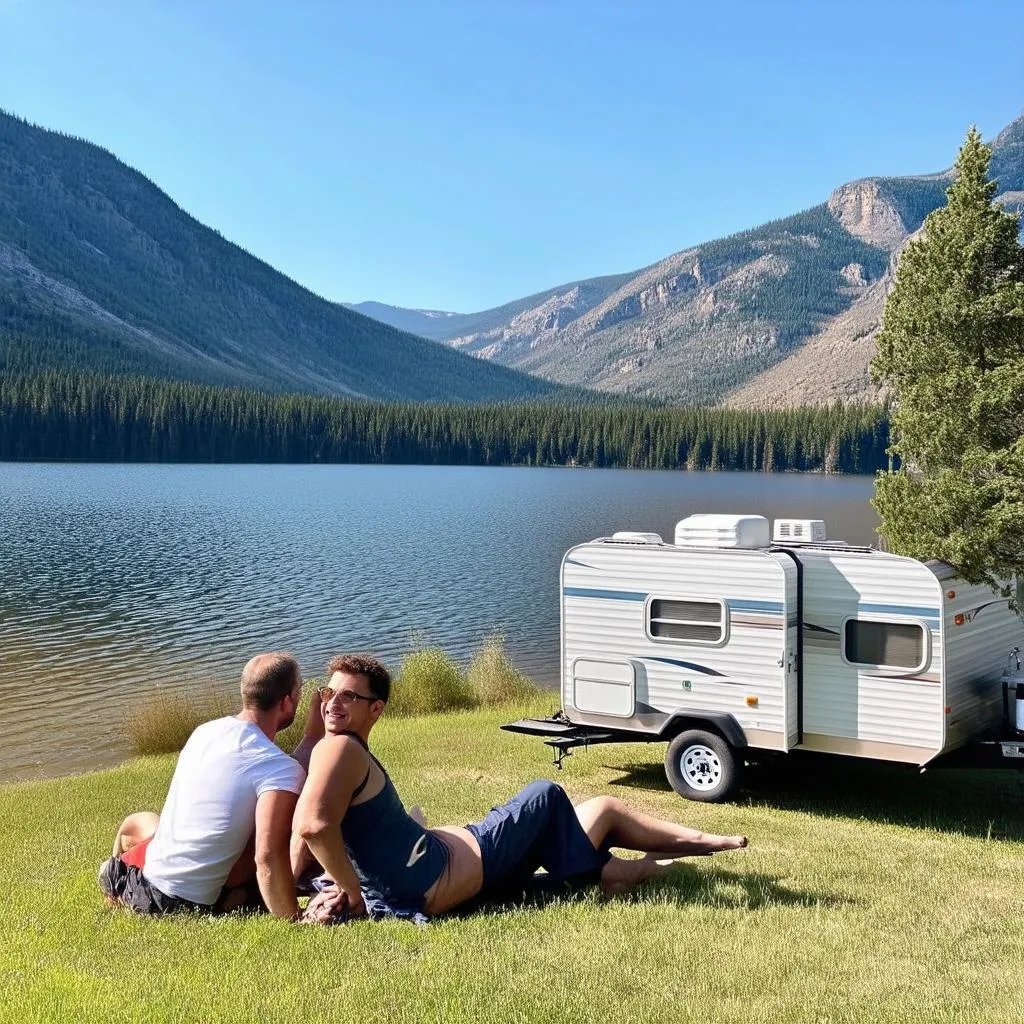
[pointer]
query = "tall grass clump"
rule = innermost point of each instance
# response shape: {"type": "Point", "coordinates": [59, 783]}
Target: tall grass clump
{"type": "Point", "coordinates": [430, 681]}
{"type": "Point", "coordinates": [162, 725]}
{"type": "Point", "coordinates": [493, 678]}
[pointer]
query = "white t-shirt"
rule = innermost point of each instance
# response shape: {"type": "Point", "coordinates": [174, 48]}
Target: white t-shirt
{"type": "Point", "coordinates": [210, 811]}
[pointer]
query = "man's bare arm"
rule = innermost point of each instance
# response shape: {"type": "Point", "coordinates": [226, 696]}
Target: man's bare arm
{"type": "Point", "coordinates": [301, 858]}
{"type": "Point", "coordinates": [337, 766]}
{"type": "Point", "coordinates": [312, 733]}
{"type": "Point", "coordinates": [274, 811]}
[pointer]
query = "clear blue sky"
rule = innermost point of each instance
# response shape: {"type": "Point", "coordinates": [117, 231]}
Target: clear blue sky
{"type": "Point", "coordinates": [458, 155]}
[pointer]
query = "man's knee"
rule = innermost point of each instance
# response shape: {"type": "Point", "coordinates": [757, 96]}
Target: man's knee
{"type": "Point", "coordinates": [543, 789]}
{"type": "Point", "coordinates": [550, 794]}
{"type": "Point", "coordinates": [599, 806]}
{"type": "Point", "coordinates": [543, 793]}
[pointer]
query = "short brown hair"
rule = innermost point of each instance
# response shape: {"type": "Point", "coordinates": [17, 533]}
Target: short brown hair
{"type": "Point", "coordinates": [377, 676]}
{"type": "Point", "coordinates": [268, 679]}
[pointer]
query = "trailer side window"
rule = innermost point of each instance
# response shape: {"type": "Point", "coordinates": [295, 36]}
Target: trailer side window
{"type": "Point", "coordinates": [695, 621]}
{"type": "Point", "coordinates": [890, 644]}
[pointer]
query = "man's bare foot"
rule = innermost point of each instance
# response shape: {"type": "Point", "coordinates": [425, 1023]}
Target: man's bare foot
{"type": "Point", "coordinates": [705, 846]}
{"type": "Point", "coordinates": [734, 842]}
{"type": "Point", "coordinates": [619, 875]}
{"type": "Point", "coordinates": [661, 859]}
{"type": "Point", "coordinates": [716, 844]}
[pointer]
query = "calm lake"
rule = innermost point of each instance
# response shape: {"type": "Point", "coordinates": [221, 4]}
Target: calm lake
{"type": "Point", "coordinates": [124, 581]}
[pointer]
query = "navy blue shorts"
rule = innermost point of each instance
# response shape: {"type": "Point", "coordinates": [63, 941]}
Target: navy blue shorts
{"type": "Point", "coordinates": [537, 828]}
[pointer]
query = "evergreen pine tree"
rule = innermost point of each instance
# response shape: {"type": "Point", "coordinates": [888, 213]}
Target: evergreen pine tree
{"type": "Point", "coordinates": [951, 354]}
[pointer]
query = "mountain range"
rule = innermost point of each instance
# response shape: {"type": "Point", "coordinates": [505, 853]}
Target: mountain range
{"type": "Point", "coordinates": [782, 315]}
{"type": "Point", "coordinates": [100, 270]}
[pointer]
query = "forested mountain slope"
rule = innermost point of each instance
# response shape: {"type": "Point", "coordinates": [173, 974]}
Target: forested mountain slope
{"type": "Point", "coordinates": [100, 270]}
{"type": "Point", "coordinates": [780, 315]}
{"type": "Point", "coordinates": [555, 307]}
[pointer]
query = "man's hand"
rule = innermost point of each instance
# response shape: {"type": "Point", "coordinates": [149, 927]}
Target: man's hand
{"type": "Point", "coordinates": [333, 906]}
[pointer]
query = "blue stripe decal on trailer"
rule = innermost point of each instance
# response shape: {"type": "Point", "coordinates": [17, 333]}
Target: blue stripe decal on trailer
{"type": "Point", "coordinates": [754, 606]}
{"type": "Point", "coordinates": [611, 595]}
{"type": "Point", "coordinates": [810, 627]}
{"type": "Point", "coordinates": [899, 609]}
{"type": "Point", "coordinates": [703, 669]}
{"type": "Point", "coordinates": [573, 561]}
{"type": "Point", "coordinates": [632, 595]}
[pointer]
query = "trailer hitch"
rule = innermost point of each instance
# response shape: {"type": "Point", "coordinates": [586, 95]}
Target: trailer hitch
{"type": "Point", "coordinates": [562, 736]}
{"type": "Point", "coordinates": [562, 746]}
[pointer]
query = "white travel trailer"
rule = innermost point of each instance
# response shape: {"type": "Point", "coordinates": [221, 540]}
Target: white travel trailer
{"type": "Point", "coordinates": [730, 642]}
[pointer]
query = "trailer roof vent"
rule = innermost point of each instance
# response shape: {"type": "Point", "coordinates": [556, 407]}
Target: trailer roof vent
{"type": "Point", "coordinates": [631, 537]}
{"type": "Point", "coordinates": [719, 531]}
{"type": "Point", "coordinates": [799, 531]}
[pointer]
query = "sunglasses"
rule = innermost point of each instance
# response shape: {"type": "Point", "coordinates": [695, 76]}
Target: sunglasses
{"type": "Point", "coordinates": [345, 696]}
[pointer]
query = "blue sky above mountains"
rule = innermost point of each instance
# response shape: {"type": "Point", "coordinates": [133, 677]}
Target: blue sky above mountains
{"type": "Point", "coordinates": [456, 156]}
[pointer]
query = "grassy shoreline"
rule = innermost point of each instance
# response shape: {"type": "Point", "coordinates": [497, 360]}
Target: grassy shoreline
{"type": "Point", "coordinates": [868, 893]}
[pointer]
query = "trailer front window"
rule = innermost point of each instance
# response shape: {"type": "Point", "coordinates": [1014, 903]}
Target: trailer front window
{"type": "Point", "coordinates": [701, 622]}
{"type": "Point", "coordinates": [886, 644]}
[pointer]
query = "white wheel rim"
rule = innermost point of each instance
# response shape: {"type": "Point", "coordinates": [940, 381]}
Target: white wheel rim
{"type": "Point", "coordinates": [701, 767]}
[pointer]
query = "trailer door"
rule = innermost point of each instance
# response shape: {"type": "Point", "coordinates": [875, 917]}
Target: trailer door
{"type": "Point", "coordinates": [791, 658]}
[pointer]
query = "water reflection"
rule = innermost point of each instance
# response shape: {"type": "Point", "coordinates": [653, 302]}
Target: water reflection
{"type": "Point", "coordinates": [123, 580]}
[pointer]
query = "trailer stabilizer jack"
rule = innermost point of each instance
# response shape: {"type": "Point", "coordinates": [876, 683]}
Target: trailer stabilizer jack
{"type": "Point", "coordinates": [562, 736]}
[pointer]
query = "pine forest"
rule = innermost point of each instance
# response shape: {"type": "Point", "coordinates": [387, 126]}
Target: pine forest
{"type": "Point", "coordinates": [77, 416]}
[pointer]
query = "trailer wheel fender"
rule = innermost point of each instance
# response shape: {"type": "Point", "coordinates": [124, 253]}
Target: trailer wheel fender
{"type": "Point", "coordinates": [725, 726]}
{"type": "Point", "coordinates": [700, 765]}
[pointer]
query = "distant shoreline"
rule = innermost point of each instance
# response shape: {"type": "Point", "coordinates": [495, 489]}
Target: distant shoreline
{"type": "Point", "coordinates": [425, 465]}
{"type": "Point", "coordinates": [85, 417]}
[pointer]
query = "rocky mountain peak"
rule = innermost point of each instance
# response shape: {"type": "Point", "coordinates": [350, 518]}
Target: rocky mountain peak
{"type": "Point", "coordinates": [1011, 135]}
{"type": "Point", "coordinates": [862, 209]}
{"type": "Point", "coordinates": [782, 314]}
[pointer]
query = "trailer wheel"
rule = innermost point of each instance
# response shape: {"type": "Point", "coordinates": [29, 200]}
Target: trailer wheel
{"type": "Point", "coordinates": [702, 766]}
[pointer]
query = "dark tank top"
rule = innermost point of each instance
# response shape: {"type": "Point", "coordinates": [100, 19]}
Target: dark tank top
{"type": "Point", "coordinates": [394, 857]}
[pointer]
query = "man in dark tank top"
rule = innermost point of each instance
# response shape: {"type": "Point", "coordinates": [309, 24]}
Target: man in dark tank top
{"type": "Point", "coordinates": [350, 818]}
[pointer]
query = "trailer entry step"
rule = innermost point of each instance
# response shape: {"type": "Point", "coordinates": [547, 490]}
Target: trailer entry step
{"type": "Point", "coordinates": [541, 727]}
{"type": "Point", "coordinates": [584, 739]}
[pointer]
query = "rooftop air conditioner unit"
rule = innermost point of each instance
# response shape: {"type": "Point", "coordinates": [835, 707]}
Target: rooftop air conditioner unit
{"type": "Point", "coordinates": [799, 531]}
{"type": "Point", "coordinates": [720, 531]}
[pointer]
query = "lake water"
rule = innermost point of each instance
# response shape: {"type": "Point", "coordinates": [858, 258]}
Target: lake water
{"type": "Point", "coordinates": [121, 582]}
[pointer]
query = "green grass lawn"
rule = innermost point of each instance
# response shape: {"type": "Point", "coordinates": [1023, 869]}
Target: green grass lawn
{"type": "Point", "coordinates": [869, 893]}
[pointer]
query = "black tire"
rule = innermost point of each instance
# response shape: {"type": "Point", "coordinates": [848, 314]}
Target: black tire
{"type": "Point", "coordinates": [702, 766]}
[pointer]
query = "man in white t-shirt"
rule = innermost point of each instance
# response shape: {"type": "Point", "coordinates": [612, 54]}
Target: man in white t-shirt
{"type": "Point", "coordinates": [228, 814]}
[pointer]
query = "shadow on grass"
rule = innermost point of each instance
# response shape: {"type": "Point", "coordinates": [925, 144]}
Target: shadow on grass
{"type": "Point", "coordinates": [730, 890]}
{"type": "Point", "coordinates": [984, 803]}
{"type": "Point", "coordinates": [684, 885]}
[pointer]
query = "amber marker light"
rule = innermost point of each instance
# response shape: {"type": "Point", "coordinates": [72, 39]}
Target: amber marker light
{"type": "Point", "coordinates": [958, 620]}
{"type": "Point", "coordinates": [951, 594]}
{"type": "Point", "coordinates": [751, 702]}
